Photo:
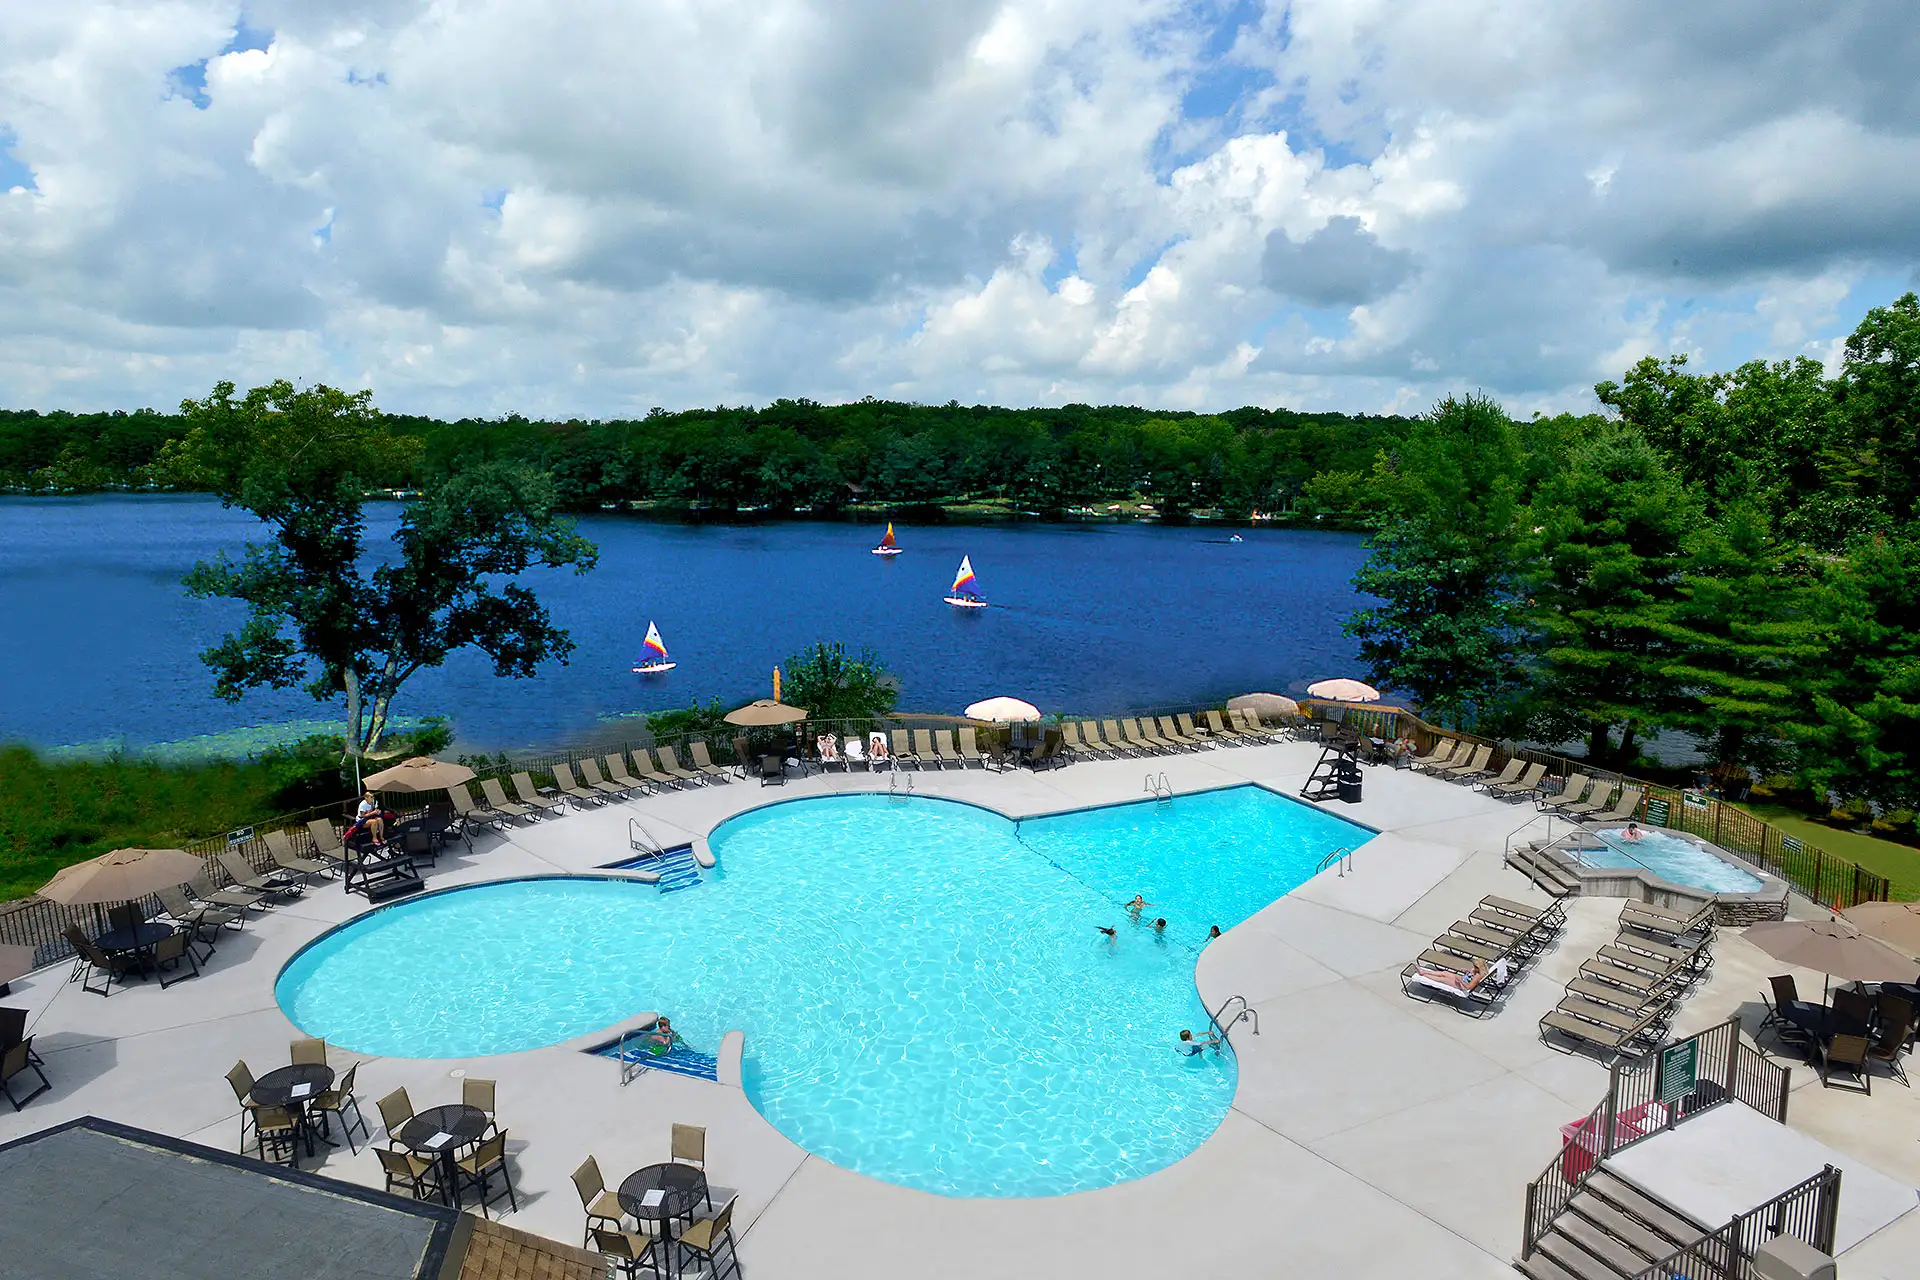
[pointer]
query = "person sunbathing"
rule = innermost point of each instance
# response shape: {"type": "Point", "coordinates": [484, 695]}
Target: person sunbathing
{"type": "Point", "coordinates": [1462, 982]}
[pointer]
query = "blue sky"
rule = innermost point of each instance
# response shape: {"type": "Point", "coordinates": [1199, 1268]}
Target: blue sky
{"type": "Point", "coordinates": [1354, 204]}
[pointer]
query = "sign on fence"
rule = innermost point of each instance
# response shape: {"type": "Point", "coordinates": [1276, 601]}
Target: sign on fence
{"type": "Point", "coordinates": [1679, 1070]}
{"type": "Point", "coordinates": [1659, 812]}
{"type": "Point", "coordinates": [239, 836]}
{"type": "Point", "coordinates": [1791, 844]}
{"type": "Point", "coordinates": [1694, 799]}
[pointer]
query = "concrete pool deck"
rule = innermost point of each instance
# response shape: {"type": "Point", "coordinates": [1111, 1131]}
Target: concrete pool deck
{"type": "Point", "coordinates": [1371, 1135]}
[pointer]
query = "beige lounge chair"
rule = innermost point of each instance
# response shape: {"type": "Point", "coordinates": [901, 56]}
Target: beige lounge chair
{"type": "Point", "coordinates": [1249, 723]}
{"type": "Point", "coordinates": [1525, 784]}
{"type": "Point", "coordinates": [1192, 730]}
{"type": "Point", "coordinates": [1597, 800]}
{"type": "Point", "coordinates": [326, 841]}
{"type": "Point", "coordinates": [644, 767]}
{"type": "Point", "coordinates": [1441, 752]}
{"type": "Point", "coordinates": [1100, 743]}
{"type": "Point", "coordinates": [703, 761]}
{"type": "Point", "coordinates": [944, 750]}
{"type": "Point", "coordinates": [1111, 735]}
{"type": "Point", "coordinates": [1476, 760]}
{"type": "Point", "coordinates": [617, 773]}
{"type": "Point", "coordinates": [1623, 809]}
{"type": "Point", "coordinates": [1673, 926]}
{"type": "Point", "coordinates": [1137, 730]}
{"type": "Point", "coordinates": [969, 740]}
{"type": "Point", "coordinates": [280, 849]}
{"type": "Point", "coordinates": [1613, 1043]}
{"type": "Point", "coordinates": [531, 797]}
{"type": "Point", "coordinates": [497, 800]}
{"type": "Point", "coordinates": [469, 812]}
{"type": "Point", "coordinates": [1164, 726]}
{"type": "Point", "coordinates": [1576, 787]}
{"type": "Point", "coordinates": [923, 747]}
{"type": "Point", "coordinates": [670, 765]}
{"type": "Point", "coordinates": [564, 782]}
{"type": "Point", "coordinates": [241, 872]}
{"type": "Point", "coordinates": [204, 920]}
{"type": "Point", "coordinates": [1071, 742]}
{"type": "Point", "coordinates": [590, 775]}
{"type": "Point", "coordinates": [1223, 731]}
{"type": "Point", "coordinates": [903, 750]}
{"type": "Point", "coordinates": [1514, 765]}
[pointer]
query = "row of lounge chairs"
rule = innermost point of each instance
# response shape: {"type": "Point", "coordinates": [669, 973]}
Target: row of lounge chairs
{"type": "Point", "coordinates": [1582, 798]}
{"type": "Point", "coordinates": [1147, 735]}
{"type": "Point", "coordinates": [1592, 800]}
{"type": "Point", "coordinates": [1622, 1002]}
{"type": "Point", "coordinates": [588, 786]}
{"type": "Point", "coordinates": [1474, 962]}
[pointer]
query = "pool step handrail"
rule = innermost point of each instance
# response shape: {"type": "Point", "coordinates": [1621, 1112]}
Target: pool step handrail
{"type": "Point", "coordinates": [894, 779]}
{"type": "Point", "coordinates": [641, 840]}
{"type": "Point", "coordinates": [1546, 817]}
{"type": "Point", "coordinates": [1243, 1013]}
{"type": "Point", "coordinates": [1159, 788]}
{"type": "Point", "coordinates": [1343, 856]}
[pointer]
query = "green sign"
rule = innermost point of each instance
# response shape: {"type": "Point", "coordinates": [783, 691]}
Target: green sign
{"type": "Point", "coordinates": [1693, 799]}
{"type": "Point", "coordinates": [1659, 812]}
{"type": "Point", "coordinates": [1679, 1067]}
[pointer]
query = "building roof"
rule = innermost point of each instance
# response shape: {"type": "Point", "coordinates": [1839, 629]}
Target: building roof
{"type": "Point", "coordinates": [92, 1198]}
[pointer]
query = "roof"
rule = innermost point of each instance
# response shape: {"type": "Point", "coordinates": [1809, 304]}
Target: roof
{"type": "Point", "coordinates": [92, 1198]}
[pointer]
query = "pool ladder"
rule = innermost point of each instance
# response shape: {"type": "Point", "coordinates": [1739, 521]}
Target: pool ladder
{"type": "Point", "coordinates": [1159, 788]}
{"type": "Point", "coordinates": [1342, 855]}
{"type": "Point", "coordinates": [1243, 1012]}
{"type": "Point", "coordinates": [894, 778]}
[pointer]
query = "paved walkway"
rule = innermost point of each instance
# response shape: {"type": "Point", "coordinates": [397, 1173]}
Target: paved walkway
{"type": "Point", "coordinates": [1371, 1135]}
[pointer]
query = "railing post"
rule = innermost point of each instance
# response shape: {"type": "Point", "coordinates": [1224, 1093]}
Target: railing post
{"type": "Point", "coordinates": [1829, 1211]}
{"type": "Point", "coordinates": [1733, 1058]}
{"type": "Point", "coordinates": [1607, 1117]}
{"type": "Point", "coordinates": [1526, 1228]}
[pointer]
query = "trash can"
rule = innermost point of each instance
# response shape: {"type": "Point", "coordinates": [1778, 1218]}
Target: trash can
{"type": "Point", "coordinates": [1785, 1258]}
{"type": "Point", "coordinates": [1347, 785]}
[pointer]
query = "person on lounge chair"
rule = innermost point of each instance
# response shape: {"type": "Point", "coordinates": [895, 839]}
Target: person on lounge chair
{"type": "Point", "coordinates": [1191, 1044]}
{"type": "Point", "coordinates": [1466, 984]}
{"type": "Point", "coordinates": [877, 748]}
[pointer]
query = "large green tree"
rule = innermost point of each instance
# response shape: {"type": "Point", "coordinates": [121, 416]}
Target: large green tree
{"type": "Point", "coordinates": [1880, 396]}
{"type": "Point", "coordinates": [1864, 738]}
{"type": "Point", "coordinates": [303, 460]}
{"type": "Point", "coordinates": [832, 684]}
{"type": "Point", "coordinates": [1445, 566]}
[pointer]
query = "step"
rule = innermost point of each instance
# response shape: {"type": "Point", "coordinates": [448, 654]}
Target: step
{"type": "Point", "coordinates": [1657, 1214]}
{"type": "Point", "coordinates": [1577, 1261]}
{"type": "Point", "coordinates": [1542, 1266]}
{"type": "Point", "coordinates": [1637, 1235]}
{"type": "Point", "coordinates": [1607, 1248]}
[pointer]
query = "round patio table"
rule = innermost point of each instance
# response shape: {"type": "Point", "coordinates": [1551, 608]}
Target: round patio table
{"type": "Point", "coordinates": [294, 1087]}
{"type": "Point", "coordinates": [440, 1132]}
{"type": "Point", "coordinates": [137, 939]}
{"type": "Point", "coordinates": [663, 1193]}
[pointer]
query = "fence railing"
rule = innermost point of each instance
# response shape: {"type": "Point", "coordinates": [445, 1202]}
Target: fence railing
{"type": "Point", "coordinates": [1808, 1212]}
{"type": "Point", "coordinates": [1814, 873]}
{"type": "Point", "coordinates": [1650, 1095]}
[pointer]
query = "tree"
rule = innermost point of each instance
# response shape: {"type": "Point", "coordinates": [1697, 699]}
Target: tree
{"type": "Point", "coordinates": [1444, 564]}
{"type": "Point", "coordinates": [833, 685]}
{"type": "Point", "coordinates": [1864, 738]}
{"type": "Point", "coordinates": [1880, 394]}
{"type": "Point", "coordinates": [1607, 564]}
{"type": "Point", "coordinates": [302, 461]}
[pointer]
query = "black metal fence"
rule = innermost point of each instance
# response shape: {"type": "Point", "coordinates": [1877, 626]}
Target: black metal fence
{"type": "Point", "coordinates": [1808, 1212]}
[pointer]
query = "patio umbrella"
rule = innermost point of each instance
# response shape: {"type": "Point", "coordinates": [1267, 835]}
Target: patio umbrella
{"type": "Point", "coordinates": [765, 712]}
{"type": "Point", "coordinates": [121, 876]}
{"type": "Point", "coordinates": [422, 773]}
{"type": "Point", "coordinates": [1895, 923]}
{"type": "Point", "coordinates": [1344, 691]}
{"type": "Point", "coordinates": [1832, 947]}
{"type": "Point", "coordinates": [1266, 704]}
{"type": "Point", "coordinates": [1005, 710]}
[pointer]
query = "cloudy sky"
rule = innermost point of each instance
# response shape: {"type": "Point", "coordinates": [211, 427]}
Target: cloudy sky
{"type": "Point", "coordinates": [596, 206]}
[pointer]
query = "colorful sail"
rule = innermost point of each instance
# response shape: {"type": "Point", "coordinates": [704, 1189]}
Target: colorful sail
{"type": "Point", "coordinates": [654, 642]}
{"type": "Point", "coordinates": [963, 580]}
{"type": "Point", "coordinates": [888, 540]}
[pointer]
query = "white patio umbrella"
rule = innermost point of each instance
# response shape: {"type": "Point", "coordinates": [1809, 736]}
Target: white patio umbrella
{"type": "Point", "coordinates": [421, 773]}
{"type": "Point", "coordinates": [1344, 691]}
{"type": "Point", "coordinates": [1266, 704]}
{"type": "Point", "coordinates": [1004, 710]}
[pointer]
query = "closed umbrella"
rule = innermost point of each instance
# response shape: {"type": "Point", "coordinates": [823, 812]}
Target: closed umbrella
{"type": "Point", "coordinates": [1832, 947]}
{"type": "Point", "coordinates": [1004, 710]}
{"type": "Point", "coordinates": [1344, 691]}
{"type": "Point", "coordinates": [421, 773]}
{"type": "Point", "coordinates": [765, 712]}
{"type": "Point", "coordinates": [1895, 923]}
{"type": "Point", "coordinates": [1265, 704]}
{"type": "Point", "coordinates": [123, 875]}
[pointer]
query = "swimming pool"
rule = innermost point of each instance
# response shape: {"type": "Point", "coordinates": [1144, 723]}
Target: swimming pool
{"type": "Point", "coordinates": [924, 994]}
{"type": "Point", "coordinates": [1674, 859]}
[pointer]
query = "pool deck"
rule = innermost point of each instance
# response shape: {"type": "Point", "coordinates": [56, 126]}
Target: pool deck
{"type": "Point", "coordinates": [1371, 1135]}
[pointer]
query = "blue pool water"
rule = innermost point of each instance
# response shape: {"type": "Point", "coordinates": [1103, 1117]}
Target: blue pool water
{"type": "Point", "coordinates": [924, 994]}
{"type": "Point", "coordinates": [1673, 859]}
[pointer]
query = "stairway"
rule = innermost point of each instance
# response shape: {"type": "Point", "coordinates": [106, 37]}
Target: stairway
{"type": "Point", "coordinates": [1550, 870]}
{"type": "Point", "coordinates": [677, 869]}
{"type": "Point", "coordinates": [679, 1060]}
{"type": "Point", "coordinates": [1611, 1230]}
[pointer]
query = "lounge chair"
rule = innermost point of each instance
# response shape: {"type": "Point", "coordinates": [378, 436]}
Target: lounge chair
{"type": "Point", "coordinates": [854, 748]}
{"type": "Point", "coordinates": [828, 746]}
{"type": "Point", "coordinates": [1480, 994]}
{"type": "Point", "coordinates": [944, 751]}
{"type": "Point", "coordinates": [468, 811]}
{"type": "Point", "coordinates": [704, 763]}
{"type": "Point", "coordinates": [1111, 735]}
{"type": "Point", "coordinates": [644, 768]}
{"type": "Point", "coordinates": [1091, 740]}
{"type": "Point", "coordinates": [1635, 952]}
{"type": "Point", "coordinates": [1551, 917]}
{"type": "Point", "coordinates": [1575, 788]}
{"type": "Point", "coordinates": [1671, 926]}
{"type": "Point", "coordinates": [670, 765]}
{"type": "Point", "coordinates": [1526, 784]}
{"type": "Point", "coordinates": [969, 741]}
{"type": "Point", "coordinates": [903, 750]}
{"type": "Point", "coordinates": [1223, 731]}
{"type": "Point", "coordinates": [878, 753]}
{"type": "Point", "coordinates": [1172, 734]}
{"type": "Point", "coordinates": [1139, 731]}
{"type": "Point", "coordinates": [204, 921]}
{"type": "Point", "coordinates": [326, 842]}
{"type": "Point", "coordinates": [1613, 1043]}
{"type": "Point", "coordinates": [15, 1061]}
{"type": "Point", "coordinates": [564, 782]}
{"type": "Point", "coordinates": [923, 748]}
{"type": "Point", "coordinates": [1070, 740]}
{"type": "Point", "coordinates": [531, 797]}
{"type": "Point", "coordinates": [280, 849]}
{"type": "Point", "coordinates": [1623, 809]}
{"type": "Point", "coordinates": [1509, 774]}
{"type": "Point", "coordinates": [590, 774]}
{"type": "Point", "coordinates": [773, 770]}
{"type": "Point", "coordinates": [244, 877]}
{"type": "Point", "coordinates": [1251, 721]}
{"type": "Point", "coordinates": [1470, 767]}
{"type": "Point", "coordinates": [1194, 731]}
{"type": "Point", "coordinates": [497, 800]}
{"type": "Point", "coordinates": [617, 773]}
{"type": "Point", "coordinates": [1596, 802]}
{"type": "Point", "coordinates": [1441, 753]}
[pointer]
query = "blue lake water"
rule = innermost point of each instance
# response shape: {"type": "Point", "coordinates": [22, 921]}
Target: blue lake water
{"type": "Point", "coordinates": [1094, 618]}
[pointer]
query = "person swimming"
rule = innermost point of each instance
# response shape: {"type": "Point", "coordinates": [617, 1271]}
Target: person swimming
{"type": "Point", "coordinates": [1138, 905]}
{"type": "Point", "coordinates": [661, 1037]}
{"type": "Point", "coordinates": [1213, 931]}
{"type": "Point", "coordinates": [1633, 832]}
{"type": "Point", "coordinates": [1190, 1044]}
{"type": "Point", "coordinates": [1109, 930]}
{"type": "Point", "coordinates": [1160, 925]}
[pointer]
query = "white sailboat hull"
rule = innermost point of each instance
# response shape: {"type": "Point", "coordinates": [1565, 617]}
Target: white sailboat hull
{"type": "Point", "coordinates": [886, 551]}
{"type": "Point", "coordinates": [654, 668]}
{"type": "Point", "coordinates": [966, 602]}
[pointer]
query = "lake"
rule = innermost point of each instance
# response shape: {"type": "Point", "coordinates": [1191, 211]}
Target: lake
{"type": "Point", "coordinates": [100, 642]}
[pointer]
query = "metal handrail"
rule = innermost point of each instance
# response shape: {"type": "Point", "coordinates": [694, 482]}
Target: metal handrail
{"type": "Point", "coordinates": [1159, 788]}
{"type": "Point", "coordinates": [1342, 855]}
{"type": "Point", "coordinates": [652, 846]}
{"type": "Point", "coordinates": [1247, 1013]}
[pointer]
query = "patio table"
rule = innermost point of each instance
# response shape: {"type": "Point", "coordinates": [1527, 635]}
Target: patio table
{"type": "Point", "coordinates": [663, 1193]}
{"type": "Point", "coordinates": [441, 1132]}
{"type": "Point", "coordinates": [294, 1087]}
{"type": "Point", "coordinates": [1822, 1023]}
{"type": "Point", "coordinates": [136, 940]}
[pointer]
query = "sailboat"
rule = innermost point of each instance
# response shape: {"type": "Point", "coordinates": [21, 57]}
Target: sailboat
{"type": "Point", "coordinates": [654, 660]}
{"type": "Point", "coordinates": [887, 547]}
{"type": "Point", "coordinates": [961, 595]}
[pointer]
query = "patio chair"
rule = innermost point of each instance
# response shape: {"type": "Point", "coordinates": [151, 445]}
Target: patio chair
{"type": "Point", "coordinates": [1220, 729]}
{"type": "Point", "coordinates": [590, 774]}
{"type": "Point", "coordinates": [773, 770]}
{"type": "Point", "coordinates": [530, 796]}
{"type": "Point", "coordinates": [1471, 767]}
{"type": "Point", "coordinates": [828, 745]}
{"type": "Point", "coordinates": [270, 1125]}
{"type": "Point", "coordinates": [600, 1204]}
{"type": "Point", "coordinates": [1049, 754]}
{"type": "Point", "coordinates": [481, 1095]}
{"type": "Point", "coordinates": [564, 782]}
{"type": "Point", "coordinates": [903, 750]}
{"type": "Point", "coordinates": [703, 761]}
{"type": "Point", "coordinates": [624, 1249]}
{"type": "Point", "coordinates": [308, 1051]}
{"type": "Point", "coordinates": [1525, 785]}
{"type": "Point", "coordinates": [477, 1171]}
{"type": "Point", "coordinates": [204, 920]}
{"type": "Point", "coordinates": [326, 841]}
{"type": "Point", "coordinates": [395, 1110]}
{"type": "Point", "coordinates": [923, 748]}
{"type": "Point", "coordinates": [1888, 1007]}
{"type": "Point", "coordinates": [337, 1101]}
{"type": "Point", "coordinates": [670, 765]}
{"type": "Point", "coordinates": [1624, 808]}
{"type": "Point", "coordinates": [1575, 788]}
{"type": "Point", "coordinates": [280, 849]}
{"type": "Point", "coordinates": [468, 811]}
{"type": "Point", "coordinates": [944, 750]}
{"type": "Point", "coordinates": [16, 1060]}
{"type": "Point", "coordinates": [96, 962]}
{"type": "Point", "coordinates": [1596, 802]}
{"type": "Point", "coordinates": [1890, 1044]}
{"type": "Point", "coordinates": [13, 1028]}
{"type": "Point", "coordinates": [1854, 1006]}
{"type": "Point", "coordinates": [643, 767]}
{"type": "Point", "coordinates": [1509, 774]}
{"type": "Point", "coordinates": [689, 1145]}
{"type": "Point", "coordinates": [742, 757]}
{"type": "Point", "coordinates": [1850, 1053]}
{"type": "Point", "coordinates": [170, 953]}
{"type": "Point", "coordinates": [416, 1175]}
{"type": "Point", "coordinates": [245, 877]}
{"type": "Point", "coordinates": [1441, 752]}
{"type": "Point", "coordinates": [707, 1236]}
{"type": "Point", "coordinates": [1165, 727]}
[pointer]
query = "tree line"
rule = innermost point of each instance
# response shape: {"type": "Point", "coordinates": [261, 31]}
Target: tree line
{"type": "Point", "coordinates": [1734, 555]}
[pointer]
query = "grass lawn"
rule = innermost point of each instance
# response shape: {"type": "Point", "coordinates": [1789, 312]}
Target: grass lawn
{"type": "Point", "coordinates": [1899, 863]}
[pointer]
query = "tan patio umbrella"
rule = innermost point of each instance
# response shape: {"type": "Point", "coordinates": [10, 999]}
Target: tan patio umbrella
{"type": "Point", "coordinates": [1266, 704]}
{"type": "Point", "coordinates": [1344, 691]}
{"type": "Point", "coordinates": [1832, 947]}
{"type": "Point", "coordinates": [121, 876]}
{"type": "Point", "coordinates": [765, 712]}
{"type": "Point", "coordinates": [421, 773]}
{"type": "Point", "coordinates": [1895, 923]}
